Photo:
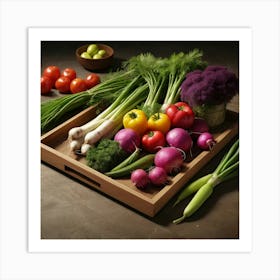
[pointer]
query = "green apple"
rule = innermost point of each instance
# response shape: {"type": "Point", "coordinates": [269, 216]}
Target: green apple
{"type": "Point", "coordinates": [101, 52]}
{"type": "Point", "coordinates": [92, 49]}
{"type": "Point", "coordinates": [97, 56]}
{"type": "Point", "coordinates": [86, 55]}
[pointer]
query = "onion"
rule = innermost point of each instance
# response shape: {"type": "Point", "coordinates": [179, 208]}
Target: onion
{"type": "Point", "coordinates": [140, 178]}
{"type": "Point", "coordinates": [170, 159]}
{"type": "Point", "coordinates": [199, 126]}
{"type": "Point", "coordinates": [158, 176]}
{"type": "Point", "coordinates": [179, 138]}
{"type": "Point", "coordinates": [206, 141]}
{"type": "Point", "coordinates": [129, 140]}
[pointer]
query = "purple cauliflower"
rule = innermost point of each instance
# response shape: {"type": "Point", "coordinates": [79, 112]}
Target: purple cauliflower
{"type": "Point", "coordinates": [213, 86]}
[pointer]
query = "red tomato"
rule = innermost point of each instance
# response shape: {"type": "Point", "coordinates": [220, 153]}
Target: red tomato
{"type": "Point", "coordinates": [46, 85]}
{"type": "Point", "coordinates": [180, 114]}
{"type": "Point", "coordinates": [92, 80]}
{"type": "Point", "coordinates": [153, 140]}
{"type": "Point", "coordinates": [69, 73]}
{"type": "Point", "coordinates": [53, 72]}
{"type": "Point", "coordinates": [62, 84]}
{"type": "Point", "coordinates": [78, 85]}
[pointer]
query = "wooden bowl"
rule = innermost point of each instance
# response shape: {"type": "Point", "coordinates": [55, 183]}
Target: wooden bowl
{"type": "Point", "coordinates": [96, 64]}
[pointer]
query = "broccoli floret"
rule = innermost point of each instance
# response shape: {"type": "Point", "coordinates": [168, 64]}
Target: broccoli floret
{"type": "Point", "coordinates": [105, 156]}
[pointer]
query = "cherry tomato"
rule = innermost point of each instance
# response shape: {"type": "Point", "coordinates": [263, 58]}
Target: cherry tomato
{"type": "Point", "coordinates": [69, 73]}
{"type": "Point", "coordinates": [78, 85]}
{"type": "Point", "coordinates": [181, 115]}
{"type": "Point", "coordinates": [53, 72]}
{"type": "Point", "coordinates": [136, 120]}
{"type": "Point", "coordinates": [92, 80]}
{"type": "Point", "coordinates": [153, 140]}
{"type": "Point", "coordinates": [62, 84]}
{"type": "Point", "coordinates": [46, 85]}
{"type": "Point", "coordinates": [159, 121]}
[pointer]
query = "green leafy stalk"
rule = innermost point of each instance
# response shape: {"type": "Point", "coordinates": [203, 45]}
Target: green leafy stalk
{"type": "Point", "coordinates": [135, 98]}
{"type": "Point", "coordinates": [227, 169]}
{"type": "Point", "coordinates": [110, 88]}
{"type": "Point", "coordinates": [225, 173]}
{"type": "Point", "coordinates": [54, 111]}
{"type": "Point", "coordinates": [149, 67]}
{"type": "Point", "coordinates": [114, 111]}
{"type": "Point", "coordinates": [179, 64]}
{"type": "Point", "coordinates": [233, 149]}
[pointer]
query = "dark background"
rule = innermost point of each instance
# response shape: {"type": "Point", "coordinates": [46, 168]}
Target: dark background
{"type": "Point", "coordinates": [215, 52]}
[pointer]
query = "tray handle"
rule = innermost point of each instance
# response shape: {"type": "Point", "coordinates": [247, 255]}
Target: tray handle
{"type": "Point", "coordinates": [81, 177]}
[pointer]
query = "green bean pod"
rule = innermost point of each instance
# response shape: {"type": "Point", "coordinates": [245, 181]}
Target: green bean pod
{"type": "Point", "coordinates": [200, 197]}
{"type": "Point", "coordinates": [192, 188]}
{"type": "Point", "coordinates": [130, 159]}
{"type": "Point", "coordinates": [144, 163]}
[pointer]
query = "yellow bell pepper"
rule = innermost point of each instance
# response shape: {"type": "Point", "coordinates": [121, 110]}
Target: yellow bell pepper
{"type": "Point", "coordinates": [136, 120]}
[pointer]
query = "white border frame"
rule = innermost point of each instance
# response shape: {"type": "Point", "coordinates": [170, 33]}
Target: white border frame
{"type": "Point", "coordinates": [243, 35]}
{"type": "Point", "coordinates": [263, 17]}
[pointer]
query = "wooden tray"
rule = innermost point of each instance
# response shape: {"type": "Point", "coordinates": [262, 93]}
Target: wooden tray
{"type": "Point", "coordinates": [55, 151]}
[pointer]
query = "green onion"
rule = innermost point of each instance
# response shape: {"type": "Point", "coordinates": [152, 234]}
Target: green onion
{"type": "Point", "coordinates": [55, 111]}
{"type": "Point", "coordinates": [115, 117]}
{"type": "Point", "coordinates": [90, 133]}
{"type": "Point", "coordinates": [227, 169]}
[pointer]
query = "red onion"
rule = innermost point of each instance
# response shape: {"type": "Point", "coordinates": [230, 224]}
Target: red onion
{"type": "Point", "coordinates": [158, 176]}
{"type": "Point", "coordinates": [206, 141]}
{"type": "Point", "coordinates": [170, 159]}
{"type": "Point", "coordinates": [179, 138]}
{"type": "Point", "coordinates": [199, 126]}
{"type": "Point", "coordinates": [140, 178]}
{"type": "Point", "coordinates": [128, 139]}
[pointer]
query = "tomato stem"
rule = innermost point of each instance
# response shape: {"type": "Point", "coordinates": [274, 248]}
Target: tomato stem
{"type": "Point", "coordinates": [133, 115]}
{"type": "Point", "coordinates": [156, 116]}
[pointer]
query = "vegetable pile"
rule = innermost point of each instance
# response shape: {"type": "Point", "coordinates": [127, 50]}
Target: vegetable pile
{"type": "Point", "coordinates": [161, 76]}
{"type": "Point", "coordinates": [156, 149]}
{"type": "Point", "coordinates": [149, 125]}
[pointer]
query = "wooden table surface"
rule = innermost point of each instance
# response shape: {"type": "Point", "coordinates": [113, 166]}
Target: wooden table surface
{"type": "Point", "coordinates": [71, 210]}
